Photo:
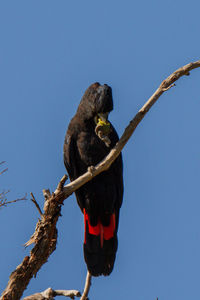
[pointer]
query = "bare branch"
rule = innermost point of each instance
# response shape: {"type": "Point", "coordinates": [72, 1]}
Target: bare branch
{"type": "Point", "coordinates": [2, 162]}
{"type": "Point", "coordinates": [3, 195]}
{"type": "Point", "coordinates": [4, 202]}
{"type": "Point", "coordinates": [88, 283]}
{"type": "Point", "coordinates": [61, 183]}
{"type": "Point", "coordinates": [70, 293]}
{"type": "Point", "coordinates": [3, 171]}
{"type": "Point", "coordinates": [49, 294]}
{"type": "Point", "coordinates": [45, 236]}
{"type": "Point", "coordinates": [36, 204]}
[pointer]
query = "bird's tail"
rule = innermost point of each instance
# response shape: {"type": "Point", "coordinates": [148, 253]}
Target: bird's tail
{"type": "Point", "coordinates": [100, 246]}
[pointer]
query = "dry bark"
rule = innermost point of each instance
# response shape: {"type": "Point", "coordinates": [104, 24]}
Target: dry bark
{"type": "Point", "coordinates": [49, 294]}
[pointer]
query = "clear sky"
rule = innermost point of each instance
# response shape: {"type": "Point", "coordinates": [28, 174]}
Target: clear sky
{"type": "Point", "coordinates": [50, 52]}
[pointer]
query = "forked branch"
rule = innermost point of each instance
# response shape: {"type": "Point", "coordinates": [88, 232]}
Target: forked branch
{"type": "Point", "coordinates": [3, 195]}
{"type": "Point", "coordinates": [50, 294]}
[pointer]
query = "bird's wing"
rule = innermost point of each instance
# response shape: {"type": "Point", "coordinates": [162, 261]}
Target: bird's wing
{"type": "Point", "coordinates": [70, 156]}
{"type": "Point", "coordinates": [72, 164]}
{"type": "Point", "coordinates": [117, 169]}
{"type": "Point", "coordinates": [118, 172]}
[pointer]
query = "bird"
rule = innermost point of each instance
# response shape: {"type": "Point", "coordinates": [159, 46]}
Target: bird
{"type": "Point", "coordinates": [89, 138]}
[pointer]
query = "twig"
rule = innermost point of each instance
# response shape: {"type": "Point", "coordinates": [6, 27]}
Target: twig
{"type": "Point", "coordinates": [50, 294]}
{"type": "Point", "coordinates": [70, 293]}
{"type": "Point", "coordinates": [88, 283]}
{"type": "Point", "coordinates": [36, 204]}
{"type": "Point", "coordinates": [2, 162]}
{"type": "Point", "coordinates": [169, 87]}
{"type": "Point", "coordinates": [4, 202]}
{"type": "Point", "coordinates": [3, 198]}
{"type": "Point", "coordinates": [3, 171]}
{"type": "Point", "coordinates": [46, 235]}
{"type": "Point", "coordinates": [61, 183]}
{"type": "Point", "coordinates": [3, 194]}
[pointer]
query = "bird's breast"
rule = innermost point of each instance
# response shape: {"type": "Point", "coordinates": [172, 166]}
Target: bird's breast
{"type": "Point", "coordinates": [91, 149]}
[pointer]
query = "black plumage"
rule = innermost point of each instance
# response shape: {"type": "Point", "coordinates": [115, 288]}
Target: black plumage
{"type": "Point", "coordinates": [100, 199]}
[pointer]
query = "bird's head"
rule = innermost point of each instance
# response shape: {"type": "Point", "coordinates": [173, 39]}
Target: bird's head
{"type": "Point", "coordinates": [96, 103]}
{"type": "Point", "coordinates": [94, 109]}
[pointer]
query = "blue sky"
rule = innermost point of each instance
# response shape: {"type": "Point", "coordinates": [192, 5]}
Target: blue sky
{"type": "Point", "coordinates": [50, 52]}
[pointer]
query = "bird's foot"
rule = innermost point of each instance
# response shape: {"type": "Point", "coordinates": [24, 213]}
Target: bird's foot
{"type": "Point", "coordinates": [91, 169]}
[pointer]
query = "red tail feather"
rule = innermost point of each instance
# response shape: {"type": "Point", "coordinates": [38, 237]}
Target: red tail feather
{"type": "Point", "coordinates": [105, 232]}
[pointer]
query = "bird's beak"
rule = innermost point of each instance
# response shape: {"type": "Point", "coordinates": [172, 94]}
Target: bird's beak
{"type": "Point", "coordinates": [103, 116]}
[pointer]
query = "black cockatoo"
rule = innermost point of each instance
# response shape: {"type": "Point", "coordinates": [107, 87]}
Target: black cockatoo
{"type": "Point", "coordinates": [89, 138]}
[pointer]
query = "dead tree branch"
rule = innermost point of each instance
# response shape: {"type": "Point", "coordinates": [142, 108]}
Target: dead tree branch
{"type": "Point", "coordinates": [3, 171]}
{"type": "Point", "coordinates": [88, 283]}
{"type": "Point", "coordinates": [50, 294]}
{"type": "Point", "coordinates": [3, 195]}
{"type": "Point", "coordinates": [1, 163]}
{"type": "Point", "coordinates": [36, 204]}
{"type": "Point", "coordinates": [45, 235]}
{"type": "Point", "coordinates": [4, 201]}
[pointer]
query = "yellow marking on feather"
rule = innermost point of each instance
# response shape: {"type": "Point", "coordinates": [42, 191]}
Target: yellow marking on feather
{"type": "Point", "coordinates": [103, 123]}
